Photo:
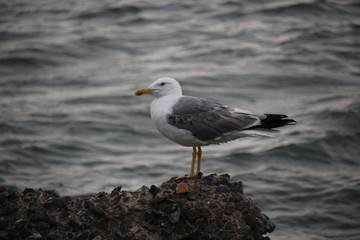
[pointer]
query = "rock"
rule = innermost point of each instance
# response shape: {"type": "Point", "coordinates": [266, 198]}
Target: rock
{"type": "Point", "coordinates": [154, 190]}
{"type": "Point", "coordinates": [182, 188]}
{"type": "Point", "coordinates": [53, 236]}
{"type": "Point", "coordinates": [175, 216]}
{"type": "Point", "coordinates": [223, 189]}
{"type": "Point", "coordinates": [116, 190]}
{"type": "Point", "coordinates": [144, 190]}
{"type": "Point", "coordinates": [4, 235]}
{"type": "Point", "coordinates": [205, 207]}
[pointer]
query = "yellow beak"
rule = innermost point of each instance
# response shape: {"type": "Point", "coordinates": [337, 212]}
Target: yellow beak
{"type": "Point", "coordinates": [142, 91]}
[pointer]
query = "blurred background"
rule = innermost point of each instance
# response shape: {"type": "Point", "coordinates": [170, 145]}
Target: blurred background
{"type": "Point", "coordinates": [69, 120]}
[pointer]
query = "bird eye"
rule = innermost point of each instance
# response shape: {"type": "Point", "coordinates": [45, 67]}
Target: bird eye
{"type": "Point", "coordinates": [162, 84]}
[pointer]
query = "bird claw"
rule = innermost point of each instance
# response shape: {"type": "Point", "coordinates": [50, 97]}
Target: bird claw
{"type": "Point", "coordinates": [190, 175]}
{"type": "Point", "coordinates": [184, 177]}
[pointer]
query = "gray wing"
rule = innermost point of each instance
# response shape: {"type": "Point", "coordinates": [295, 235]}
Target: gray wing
{"type": "Point", "coordinates": [207, 120]}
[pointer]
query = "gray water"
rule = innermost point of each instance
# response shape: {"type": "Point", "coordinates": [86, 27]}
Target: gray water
{"type": "Point", "coordinates": [69, 120]}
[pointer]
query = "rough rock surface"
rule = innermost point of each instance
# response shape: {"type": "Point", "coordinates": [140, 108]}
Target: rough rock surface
{"type": "Point", "coordinates": [209, 207]}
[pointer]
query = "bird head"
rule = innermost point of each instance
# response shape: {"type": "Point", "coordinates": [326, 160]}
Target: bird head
{"type": "Point", "coordinates": [161, 87]}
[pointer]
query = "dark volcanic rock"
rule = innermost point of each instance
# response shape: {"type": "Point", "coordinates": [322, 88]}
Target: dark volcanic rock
{"type": "Point", "coordinates": [209, 207]}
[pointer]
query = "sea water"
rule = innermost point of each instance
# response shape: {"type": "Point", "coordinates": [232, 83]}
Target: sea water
{"type": "Point", "coordinates": [69, 120]}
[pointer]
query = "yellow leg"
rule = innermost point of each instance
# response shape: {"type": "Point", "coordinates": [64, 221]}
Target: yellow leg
{"type": "Point", "coordinates": [199, 153]}
{"type": "Point", "coordinates": [196, 154]}
{"type": "Point", "coordinates": [192, 172]}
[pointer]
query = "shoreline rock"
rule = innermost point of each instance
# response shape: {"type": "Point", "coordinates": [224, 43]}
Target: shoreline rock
{"type": "Point", "coordinates": [206, 207]}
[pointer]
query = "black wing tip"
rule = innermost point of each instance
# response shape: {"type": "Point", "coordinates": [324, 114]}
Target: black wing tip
{"type": "Point", "coordinates": [275, 116]}
{"type": "Point", "coordinates": [289, 121]}
{"type": "Point", "coordinates": [272, 115]}
{"type": "Point", "coordinates": [276, 120]}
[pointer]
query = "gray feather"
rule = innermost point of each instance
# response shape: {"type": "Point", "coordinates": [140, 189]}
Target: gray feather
{"type": "Point", "coordinates": [208, 120]}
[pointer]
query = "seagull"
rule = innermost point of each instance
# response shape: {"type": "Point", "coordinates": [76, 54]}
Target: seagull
{"type": "Point", "coordinates": [196, 122]}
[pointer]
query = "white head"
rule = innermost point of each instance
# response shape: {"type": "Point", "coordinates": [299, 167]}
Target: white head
{"type": "Point", "coordinates": [161, 87]}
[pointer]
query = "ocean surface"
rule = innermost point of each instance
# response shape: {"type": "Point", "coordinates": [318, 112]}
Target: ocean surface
{"type": "Point", "coordinates": [69, 120]}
